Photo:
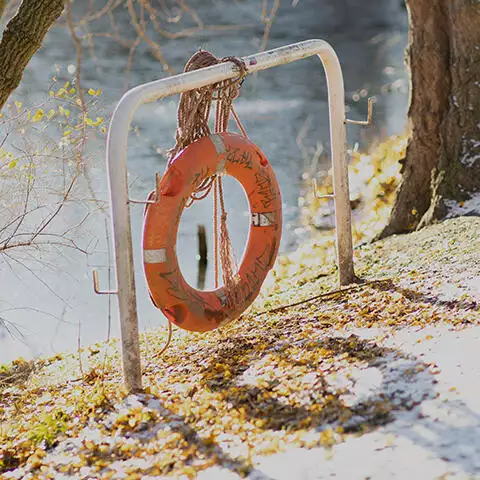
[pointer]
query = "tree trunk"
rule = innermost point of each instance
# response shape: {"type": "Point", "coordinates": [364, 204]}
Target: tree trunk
{"type": "Point", "coordinates": [22, 37]}
{"type": "Point", "coordinates": [442, 163]}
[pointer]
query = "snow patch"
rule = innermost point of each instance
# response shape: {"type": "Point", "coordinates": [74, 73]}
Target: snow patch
{"type": "Point", "coordinates": [469, 157]}
{"type": "Point", "coordinates": [458, 209]}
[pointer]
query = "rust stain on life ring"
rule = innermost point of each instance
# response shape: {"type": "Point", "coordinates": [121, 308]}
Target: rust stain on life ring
{"type": "Point", "coordinates": [223, 153]}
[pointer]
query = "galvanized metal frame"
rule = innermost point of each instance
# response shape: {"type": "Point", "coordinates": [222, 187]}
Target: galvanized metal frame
{"type": "Point", "coordinates": [117, 173]}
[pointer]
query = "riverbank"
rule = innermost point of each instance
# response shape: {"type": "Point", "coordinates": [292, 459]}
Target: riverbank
{"type": "Point", "coordinates": [383, 370]}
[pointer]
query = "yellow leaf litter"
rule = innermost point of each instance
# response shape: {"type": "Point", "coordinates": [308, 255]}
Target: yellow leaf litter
{"type": "Point", "coordinates": [225, 398]}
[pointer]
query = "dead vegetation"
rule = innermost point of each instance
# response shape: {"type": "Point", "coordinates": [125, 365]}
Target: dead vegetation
{"type": "Point", "coordinates": [254, 388]}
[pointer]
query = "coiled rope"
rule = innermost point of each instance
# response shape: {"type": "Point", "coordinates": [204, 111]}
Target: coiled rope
{"type": "Point", "coordinates": [193, 123]}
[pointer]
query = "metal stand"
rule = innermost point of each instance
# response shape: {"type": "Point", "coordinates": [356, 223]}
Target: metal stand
{"type": "Point", "coordinates": [117, 173]}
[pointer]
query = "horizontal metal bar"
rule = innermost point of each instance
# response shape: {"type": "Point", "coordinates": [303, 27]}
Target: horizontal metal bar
{"type": "Point", "coordinates": [184, 82]}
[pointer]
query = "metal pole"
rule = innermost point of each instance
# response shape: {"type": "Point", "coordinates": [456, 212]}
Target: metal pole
{"type": "Point", "coordinates": [117, 172]}
{"type": "Point", "coordinates": [338, 146]}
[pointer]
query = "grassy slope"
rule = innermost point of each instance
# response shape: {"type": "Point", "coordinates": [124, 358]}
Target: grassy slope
{"type": "Point", "coordinates": [254, 387]}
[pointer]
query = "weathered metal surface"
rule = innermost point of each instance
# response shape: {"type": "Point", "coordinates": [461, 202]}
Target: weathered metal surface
{"type": "Point", "coordinates": [117, 172]}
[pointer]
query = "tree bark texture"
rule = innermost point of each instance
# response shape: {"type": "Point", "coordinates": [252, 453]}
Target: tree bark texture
{"type": "Point", "coordinates": [443, 155]}
{"type": "Point", "coordinates": [22, 37]}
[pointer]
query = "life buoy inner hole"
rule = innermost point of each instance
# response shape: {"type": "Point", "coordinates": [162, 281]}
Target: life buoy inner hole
{"type": "Point", "coordinates": [201, 276]}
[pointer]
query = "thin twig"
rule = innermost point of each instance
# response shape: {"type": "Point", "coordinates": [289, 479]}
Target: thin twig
{"type": "Point", "coordinates": [109, 282]}
{"type": "Point", "coordinates": [43, 282]}
{"type": "Point", "coordinates": [167, 343]}
{"type": "Point", "coordinates": [31, 243]}
{"type": "Point", "coordinates": [80, 363]}
{"type": "Point", "coordinates": [30, 183]}
{"type": "Point", "coordinates": [156, 49]}
{"type": "Point", "coordinates": [78, 78]}
{"type": "Point", "coordinates": [109, 305]}
{"type": "Point", "coordinates": [11, 329]}
{"type": "Point", "coordinates": [50, 218]}
{"type": "Point", "coordinates": [37, 310]}
{"type": "Point", "coordinates": [334, 293]}
{"type": "Point", "coordinates": [269, 22]}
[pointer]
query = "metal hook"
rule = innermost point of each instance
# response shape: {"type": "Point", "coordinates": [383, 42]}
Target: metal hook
{"type": "Point", "coordinates": [368, 121]}
{"type": "Point", "coordinates": [142, 202]}
{"type": "Point", "coordinates": [158, 179]}
{"type": "Point", "coordinates": [315, 191]}
{"type": "Point", "coordinates": [96, 286]}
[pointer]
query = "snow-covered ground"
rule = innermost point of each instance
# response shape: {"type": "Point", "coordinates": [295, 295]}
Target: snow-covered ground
{"type": "Point", "coordinates": [438, 438]}
{"type": "Point", "coordinates": [411, 385]}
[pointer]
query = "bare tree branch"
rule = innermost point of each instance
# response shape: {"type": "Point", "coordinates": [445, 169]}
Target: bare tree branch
{"type": "Point", "coordinates": [37, 277]}
{"type": "Point", "coordinates": [30, 183]}
{"type": "Point", "coordinates": [140, 29]}
{"type": "Point", "coordinates": [268, 20]}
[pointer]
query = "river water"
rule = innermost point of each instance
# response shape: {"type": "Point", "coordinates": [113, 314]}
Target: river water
{"type": "Point", "coordinates": [48, 295]}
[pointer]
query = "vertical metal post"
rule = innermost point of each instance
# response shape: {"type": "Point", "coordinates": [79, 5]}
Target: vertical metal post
{"type": "Point", "coordinates": [117, 172]}
{"type": "Point", "coordinates": [341, 191]}
{"type": "Point", "coordinates": [121, 226]}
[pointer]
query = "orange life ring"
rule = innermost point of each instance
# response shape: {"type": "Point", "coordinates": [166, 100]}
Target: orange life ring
{"type": "Point", "coordinates": [223, 153]}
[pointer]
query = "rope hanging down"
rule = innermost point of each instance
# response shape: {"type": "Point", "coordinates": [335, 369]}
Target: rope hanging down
{"type": "Point", "coordinates": [193, 116]}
